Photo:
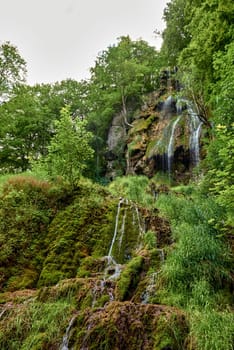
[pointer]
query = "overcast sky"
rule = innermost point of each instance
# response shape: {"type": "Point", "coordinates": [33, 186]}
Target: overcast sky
{"type": "Point", "coordinates": [60, 39]}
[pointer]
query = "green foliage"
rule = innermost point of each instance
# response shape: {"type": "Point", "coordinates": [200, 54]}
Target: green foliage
{"type": "Point", "coordinates": [176, 35]}
{"type": "Point", "coordinates": [27, 120]}
{"type": "Point", "coordinates": [199, 256]}
{"type": "Point", "coordinates": [69, 149]}
{"type": "Point", "coordinates": [25, 130]}
{"type": "Point", "coordinates": [223, 90]}
{"type": "Point", "coordinates": [219, 178]}
{"type": "Point", "coordinates": [150, 239]}
{"type": "Point", "coordinates": [34, 326]}
{"type": "Point", "coordinates": [122, 73]}
{"type": "Point", "coordinates": [196, 274]}
{"type": "Point", "coordinates": [134, 188]}
{"type": "Point", "coordinates": [212, 330]}
{"type": "Point", "coordinates": [12, 69]}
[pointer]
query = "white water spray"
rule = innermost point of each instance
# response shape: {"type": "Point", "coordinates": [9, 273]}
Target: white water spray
{"type": "Point", "coordinates": [65, 342]}
{"type": "Point", "coordinates": [195, 130]}
{"type": "Point", "coordinates": [150, 289]}
{"type": "Point", "coordinates": [122, 229]}
{"type": "Point", "coordinates": [116, 227]}
{"type": "Point", "coordinates": [170, 149]}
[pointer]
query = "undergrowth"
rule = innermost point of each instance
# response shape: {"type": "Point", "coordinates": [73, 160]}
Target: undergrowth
{"type": "Point", "coordinates": [196, 274]}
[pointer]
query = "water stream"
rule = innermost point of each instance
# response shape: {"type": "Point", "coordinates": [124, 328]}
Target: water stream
{"type": "Point", "coordinates": [170, 148]}
{"type": "Point", "coordinates": [195, 130]}
{"type": "Point", "coordinates": [122, 229]}
{"type": "Point", "coordinates": [64, 345]}
{"type": "Point", "coordinates": [150, 288]}
{"type": "Point", "coordinates": [116, 228]}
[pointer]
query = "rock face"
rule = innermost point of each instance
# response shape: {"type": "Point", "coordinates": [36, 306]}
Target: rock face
{"type": "Point", "coordinates": [116, 142]}
{"type": "Point", "coordinates": [164, 137]}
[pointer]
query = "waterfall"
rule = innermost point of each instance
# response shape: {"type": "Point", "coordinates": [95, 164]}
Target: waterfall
{"type": "Point", "coordinates": [170, 149]}
{"type": "Point", "coordinates": [112, 265]}
{"type": "Point", "coordinates": [150, 289]}
{"type": "Point", "coordinates": [116, 228]}
{"type": "Point", "coordinates": [65, 342]}
{"type": "Point", "coordinates": [141, 229]}
{"type": "Point", "coordinates": [195, 129]}
{"type": "Point", "coordinates": [122, 229]}
{"type": "Point", "coordinates": [179, 106]}
{"type": "Point", "coordinates": [169, 106]}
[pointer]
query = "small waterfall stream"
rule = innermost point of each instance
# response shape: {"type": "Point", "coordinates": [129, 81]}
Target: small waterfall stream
{"type": "Point", "coordinates": [141, 229]}
{"type": "Point", "coordinates": [150, 288]}
{"type": "Point", "coordinates": [170, 148]}
{"type": "Point", "coordinates": [64, 345]}
{"type": "Point", "coordinates": [116, 228]}
{"type": "Point", "coordinates": [122, 229]}
{"type": "Point", "coordinates": [195, 130]}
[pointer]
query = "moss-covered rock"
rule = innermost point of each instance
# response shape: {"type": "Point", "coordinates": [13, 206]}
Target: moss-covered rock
{"type": "Point", "coordinates": [28, 206]}
{"type": "Point", "coordinates": [129, 326]}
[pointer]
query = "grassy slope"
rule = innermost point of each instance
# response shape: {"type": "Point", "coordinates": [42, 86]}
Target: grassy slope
{"type": "Point", "coordinates": [53, 242]}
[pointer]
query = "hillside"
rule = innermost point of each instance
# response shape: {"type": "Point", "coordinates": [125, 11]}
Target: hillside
{"type": "Point", "coordinates": [116, 195]}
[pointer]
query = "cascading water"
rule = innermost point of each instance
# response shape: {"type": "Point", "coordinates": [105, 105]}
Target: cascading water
{"type": "Point", "coordinates": [150, 289]}
{"type": "Point", "coordinates": [64, 345]}
{"type": "Point", "coordinates": [111, 263]}
{"type": "Point", "coordinates": [141, 229]}
{"type": "Point", "coordinates": [170, 149]}
{"type": "Point", "coordinates": [122, 229]}
{"type": "Point", "coordinates": [116, 228]}
{"type": "Point", "coordinates": [195, 130]}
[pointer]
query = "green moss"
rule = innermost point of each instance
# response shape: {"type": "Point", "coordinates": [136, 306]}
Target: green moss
{"type": "Point", "coordinates": [156, 146]}
{"type": "Point", "coordinates": [26, 279]}
{"type": "Point", "coordinates": [27, 207]}
{"type": "Point", "coordinates": [125, 326]}
{"type": "Point", "coordinates": [171, 332]}
{"type": "Point", "coordinates": [82, 229]}
{"type": "Point", "coordinates": [135, 145]}
{"type": "Point", "coordinates": [129, 278]}
{"type": "Point", "coordinates": [142, 124]}
{"type": "Point", "coordinates": [91, 265]}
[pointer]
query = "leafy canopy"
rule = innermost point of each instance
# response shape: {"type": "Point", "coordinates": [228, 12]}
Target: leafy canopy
{"type": "Point", "coordinates": [69, 149]}
{"type": "Point", "coordinates": [12, 69]}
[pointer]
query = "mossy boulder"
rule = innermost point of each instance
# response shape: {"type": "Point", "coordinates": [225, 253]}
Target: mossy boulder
{"type": "Point", "coordinates": [129, 326]}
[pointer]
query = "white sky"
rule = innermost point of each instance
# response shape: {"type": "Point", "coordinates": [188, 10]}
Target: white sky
{"type": "Point", "coordinates": [60, 39]}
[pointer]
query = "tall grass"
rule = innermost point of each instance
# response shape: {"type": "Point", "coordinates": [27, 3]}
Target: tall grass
{"type": "Point", "coordinates": [212, 330]}
{"type": "Point", "coordinates": [134, 188]}
{"type": "Point", "coordinates": [35, 326]}
{"type": "Point", "coordinates": [196, 274]}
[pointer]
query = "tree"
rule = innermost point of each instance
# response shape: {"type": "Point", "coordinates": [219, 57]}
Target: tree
{"type": "Point", "coordinates": [176, 35]}
{"type": "Point", "coordinates": [25, 128]}
{"type": "Point", "coordinates": [27, 120]}
{"type": "Point", "coordinates": [12, 69]}
{"type": "Point", "coordinates": [120, 77]}
{"type": "Point", "coordinates": [125, 70]}
{"type": "Point", "coordinates": [220, 175]}
{"type": "Point", "coordinates": [69, 149]}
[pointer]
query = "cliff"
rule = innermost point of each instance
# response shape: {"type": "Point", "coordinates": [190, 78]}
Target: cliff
{"type": "Point", "coordinates": [165, 136]}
